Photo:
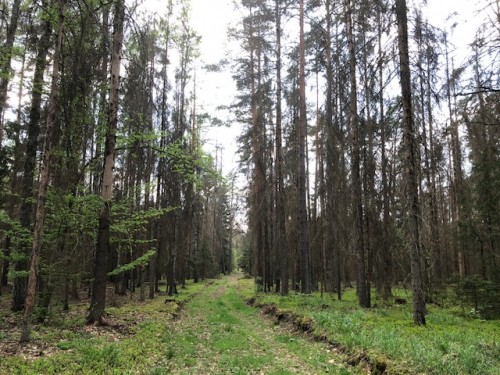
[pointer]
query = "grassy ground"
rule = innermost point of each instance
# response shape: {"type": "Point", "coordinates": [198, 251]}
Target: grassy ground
{"type": "Point", "coordinates": [215, 332]}
{"type": "Point", "coordinates": [218, 333]}
{"type": "Point", "coordinates": [65, 345]}
{"type": "Point", "coordinates": [449, 344]}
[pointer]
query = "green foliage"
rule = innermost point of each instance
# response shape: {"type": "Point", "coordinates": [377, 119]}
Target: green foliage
{"type": "Point", "coordinates": [78, 215]}
{"type": "Point", "coordinates": [191, 166]}
{"type": "Point", "coordinates": [13, 228]}
{"type": "Point", "coordinates": [5, 161]}
{"type": "Point", "coordinates": [245, 255]}
{"type": "Point", "coordinates": [18, 274]}
{"type": "Point", "coordinates": [126, 225]}
{"type": "Point", "coordinates": [139, 262]}
{"type": "Point", "coordinates": [69, 232]}
{"type": "Point", "coordinates": [140, 139]}
{"type": "Point", "coordinates": [126, 230]}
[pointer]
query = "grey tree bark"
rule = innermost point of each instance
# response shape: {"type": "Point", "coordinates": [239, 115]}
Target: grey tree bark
{"type": "Point", "coordinates": [303, 224]}
{"type": "Point", "coordinates": [43, 184]}
{"type": "Point", "coordinates": [98, 301]}
{"type": "Point", "coordinates": [411, 168]}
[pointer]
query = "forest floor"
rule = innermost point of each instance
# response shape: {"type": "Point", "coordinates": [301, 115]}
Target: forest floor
{"type": "Point", "coordinates": [218, 333]}
{"type": "Point", "coordinates": [208, 329]}
{"type": "Point", "coordinates": [225, 326]}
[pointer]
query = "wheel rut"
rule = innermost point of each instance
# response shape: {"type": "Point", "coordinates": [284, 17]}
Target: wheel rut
{"type": "Point", "coordinates": [218, 333]}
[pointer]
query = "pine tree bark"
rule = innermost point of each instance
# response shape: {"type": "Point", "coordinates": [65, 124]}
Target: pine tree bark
{"type": "Point", "coordinates": [103, 73]}
{"type": "Point", "coordinates": [303, 224]}
{"type": "Point", "coordinates": [26, 210]}
{"type": "Point", "coordinates": [258, 189]}
{"type": "Point", "coordinates": [386, 256]}
{"type": "Point", "coordinates": [363, 287]}
{"type": "Point", "coordinates": [331, 243]}
{"type": "Point", "coordinates": [366, 140]}
{"type": "Point", "coordinates": [15, 179]}
{"type": "Point", "coordinates": [435, 230]}
{"type": "Point", "coordinates": [43, 184]}
{"type": "Point", "coordinates": [410, 144]}
{"type": "Point", "coordinates": [98, 301]}
{"type": "Point", "coordinates": [162, 182]}
{"type": "Point", "coordinates": [280, 193]}
{"type": "Point", "coordinates": [457, 181]}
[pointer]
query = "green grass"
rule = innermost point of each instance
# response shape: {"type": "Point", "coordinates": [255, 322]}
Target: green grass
{"type": "Point", "coordinates": [217, 332]}
{"type": "Point", "coordinates": [448, 344]}
{"type": "Point", "coordinates": [72, 348]}
{"type": "Point", "coordinates": [222, 334]}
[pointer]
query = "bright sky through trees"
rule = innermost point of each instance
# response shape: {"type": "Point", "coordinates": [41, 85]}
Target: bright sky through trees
{"type": "Point", "coordinates": [212, 18]}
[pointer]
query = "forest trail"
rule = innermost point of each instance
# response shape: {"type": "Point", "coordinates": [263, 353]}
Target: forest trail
{"type": "Point", "coordinates": [218, 333]}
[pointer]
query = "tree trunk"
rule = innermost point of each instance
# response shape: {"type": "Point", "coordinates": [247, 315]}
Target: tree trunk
{"type": "Point", "coordinates": [5, 60]}
{"type": "Point", "coordinates": [435, 232]}
{"type": "Point", "coordinates": [410, 144]}
{"type": "Point", "coordinates": [258, 210]}
{"type": "Point", "coordinates": [331, 229]}
{"type": "Point", "coordinates": [280, 193]}
{"type": "Point", "coordinates": [162, 182]}
{"type": "Point", "coordinates": [305, 274]}
{"type": "Point", "coordinates": [43, 184]}
{"type": "Point", "coordinates": [26, 210]}
{"type": "Point", "coordinates": [386, 256]}
{"type": "Point", "coordinates": [103, 73]}
{"type": "Point", "coordinates": [98, 301]}
{"type": "Point", "coordinates": [363, 287]}
{"type": "Point", "coordinates": [457, 181]}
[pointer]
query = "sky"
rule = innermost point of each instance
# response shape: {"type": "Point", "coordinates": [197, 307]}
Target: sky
{"type": "Point", "coordinates": [211, 18]}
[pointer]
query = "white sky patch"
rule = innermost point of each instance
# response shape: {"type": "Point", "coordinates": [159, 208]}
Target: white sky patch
{"type": "Point", "coordinates": [211, 20]}
{"type": "Point", "coordinates": [464, 14]}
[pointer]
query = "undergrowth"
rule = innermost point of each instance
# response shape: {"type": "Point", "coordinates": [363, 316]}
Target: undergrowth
{"type": "Point", "coordinates": [220, 332]}
{"type": "Point", "coordinates": [133, 344]}
{"type": "Point", "coordinates": [450, 343]}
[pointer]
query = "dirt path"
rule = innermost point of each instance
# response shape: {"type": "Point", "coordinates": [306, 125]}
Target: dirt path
{"type": "Point", "coordinates": [217, 333]}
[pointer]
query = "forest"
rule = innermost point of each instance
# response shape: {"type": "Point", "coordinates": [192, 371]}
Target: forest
{"type": "Point", "coordinates": [369, 181]}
